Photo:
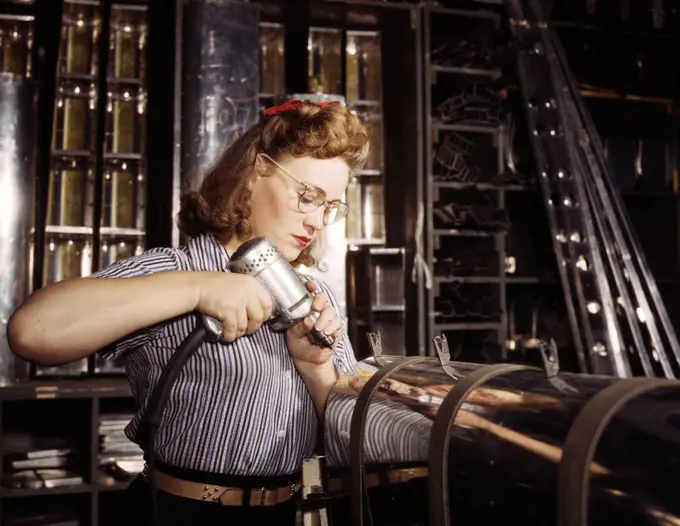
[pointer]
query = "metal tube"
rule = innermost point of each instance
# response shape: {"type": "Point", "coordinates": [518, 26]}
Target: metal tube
{"type": "Point", "coordinates": [486, 444]}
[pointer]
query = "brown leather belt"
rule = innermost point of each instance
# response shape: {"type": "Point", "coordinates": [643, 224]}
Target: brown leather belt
{"type": "Point", "coordinates": [224, 495]}
{"type": "Point", "coordinates": [371, 480]}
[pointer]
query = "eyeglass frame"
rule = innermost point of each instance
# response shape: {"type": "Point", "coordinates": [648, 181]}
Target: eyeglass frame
{"type": "Point", "coordinates": [308, 188]}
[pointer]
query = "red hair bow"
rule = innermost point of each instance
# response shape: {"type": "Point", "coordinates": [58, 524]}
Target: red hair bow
{"type": "Point", "coordinates": [294, 105]}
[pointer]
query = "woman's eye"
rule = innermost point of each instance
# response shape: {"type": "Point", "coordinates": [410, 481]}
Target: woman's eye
{"type": "Point", "coordinates": [313, 197]}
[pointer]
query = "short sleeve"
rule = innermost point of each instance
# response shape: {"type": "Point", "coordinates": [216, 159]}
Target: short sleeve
{"type": "Point", "coordinates": [150, 262]}
{"type": "Point", "coordinates": [344, 358]}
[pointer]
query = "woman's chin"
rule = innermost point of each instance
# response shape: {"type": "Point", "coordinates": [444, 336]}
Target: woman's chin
{"type": "Point", "coordinates": [290, 253]}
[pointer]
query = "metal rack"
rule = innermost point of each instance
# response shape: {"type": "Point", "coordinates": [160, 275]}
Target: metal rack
{"type": "Point", "coordinates": [620, 324]}
{"type": "Point", "coordinates": [96, 198]}
{"type": "Point", "coordinates": [344, 54]}
{"type": "Point", "coordinates": [69, 411]}
{"type": "Point", "coordinates": [459, 135]}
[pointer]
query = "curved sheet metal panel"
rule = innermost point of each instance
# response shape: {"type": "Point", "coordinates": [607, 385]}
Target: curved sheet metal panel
{"type": "Point", "coordinates": [399, 417]}
{"type": "Point", "coordinates": [496, 455]}
{"type": "Point", "coordinates": [16, 210]}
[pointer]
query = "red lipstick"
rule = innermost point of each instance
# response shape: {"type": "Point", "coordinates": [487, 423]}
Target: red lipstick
{"type": "Point", "coordinates": [302, 241]}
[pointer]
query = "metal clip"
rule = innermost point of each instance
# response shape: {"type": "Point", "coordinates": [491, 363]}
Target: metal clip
{"type": "Point", "coordinates": [551, 362]}
{"type": "Point", "coordinates": [551, 365]}
{"type": "Point", "coordinates": [375, 341]}
{"type": "Point", "coordinates": [441, 345]}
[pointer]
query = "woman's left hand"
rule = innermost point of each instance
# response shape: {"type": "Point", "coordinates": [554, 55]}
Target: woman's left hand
{"type": "Point", "coordinates": [329, 321]}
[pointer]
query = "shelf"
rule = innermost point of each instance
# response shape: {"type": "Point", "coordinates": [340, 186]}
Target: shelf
{"type": "Point", "coordinates": [465, 233]}
{"type": "Point", "coordinates": [456, 70]}
{"type": "Point", "coordinates": [510, 280]}
{"type": "Point", "coordinates": [364, 103]}
{"type": "Point", "coordinates": [81, 388]}
{"type": "Point", "coordinates": [64, 490]}
{"type": "Point", "coordinates": [468, 279]}
{"type": "Point", "coordinates": [367, 173]}
{"type": "Point", "coordinates": [69, 230]}
{"type": "Point", "coordinates": [438, 126]}
{"type": "Point", "coordinates": [466, 13]}
{"type": "Point", "coordinates": [386, 251]}
{"type": "Point", "coordinates": [472, 326]}
{"type": "Point", "coordinates": [364, 241]}
{"type": "Point", "coordinates": [39, 492]}
{"type": "Point", "coordinates": [388, 308]}
{"type": "Point", "coordinates": [454, 185]}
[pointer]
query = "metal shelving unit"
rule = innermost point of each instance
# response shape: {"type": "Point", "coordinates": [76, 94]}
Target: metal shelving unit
{"type": "Point", "coordinates": [456, 144]}
{"type": "Point", "coordinates": [97, 186]}
{"type": "Point", "coordinates": [68, 411]}
{"type": "Point", "coordinates": [344, 57]}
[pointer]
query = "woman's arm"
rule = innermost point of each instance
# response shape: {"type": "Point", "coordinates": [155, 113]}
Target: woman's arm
{"type": "Point", "coordinates": [72, 319]}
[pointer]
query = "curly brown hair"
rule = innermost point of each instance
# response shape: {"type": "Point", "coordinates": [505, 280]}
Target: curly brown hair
{"type": "Point", "coordinates": [222, 205]}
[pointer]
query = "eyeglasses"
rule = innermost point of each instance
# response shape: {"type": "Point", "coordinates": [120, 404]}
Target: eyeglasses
{"type": "Point", "coordinates": [313, 198]}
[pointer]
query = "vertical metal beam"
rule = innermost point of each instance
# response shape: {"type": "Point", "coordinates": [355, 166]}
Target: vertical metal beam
{"type": "Point", "coordinates": [44, 72]}
{"type": "Point", "coordinates": [100, 141]}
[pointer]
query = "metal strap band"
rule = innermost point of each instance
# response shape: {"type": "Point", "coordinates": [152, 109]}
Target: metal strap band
{"type": "Point", "coordinates": [357, 432]}
{"type": "Point", "coordinates": [584, 434]}
{"type": "Point", "coordinates": [440, 437]}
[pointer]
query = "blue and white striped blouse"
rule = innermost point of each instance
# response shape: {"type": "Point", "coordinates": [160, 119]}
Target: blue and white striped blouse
{"type": "Point", "coordinates": [237, 408]}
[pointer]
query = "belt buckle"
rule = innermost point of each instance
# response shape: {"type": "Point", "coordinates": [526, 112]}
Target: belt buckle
{"type": "Point", "coordinates": [263, 495]}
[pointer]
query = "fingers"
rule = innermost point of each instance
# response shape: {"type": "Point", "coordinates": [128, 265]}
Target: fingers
{"type": "Point", "coordinates": [230, 325]}
{"type": "Point", "coordinates": [329, 321]}
{"type": "Point", "coordinates": [241, 322]}
{"type": "Point", "coordinates": [256, 315]}
{"type": "Point", "coordinates": [263, 298]}
{"type": "Point", "coordinates": [266, 304]}
{"type": "Point", "coordinates": [320, 302]}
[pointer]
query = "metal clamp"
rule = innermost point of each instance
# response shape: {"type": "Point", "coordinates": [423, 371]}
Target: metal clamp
{"type": "Point", "coordinates": [551, 366]}
{"type": "Point", "coordinates": [375, 341]}
{"type": "Point", "coordinates": [441, 345]}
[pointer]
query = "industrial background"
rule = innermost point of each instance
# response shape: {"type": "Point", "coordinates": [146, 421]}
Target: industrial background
{"type": "Point", "coordinates": [468, 220]}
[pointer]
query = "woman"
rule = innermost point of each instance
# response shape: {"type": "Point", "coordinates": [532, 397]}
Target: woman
{"type": "Point", "coordinates": [244, 413]}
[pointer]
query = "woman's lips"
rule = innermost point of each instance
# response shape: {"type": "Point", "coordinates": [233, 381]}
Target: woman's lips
{"type": "Point", "coordinates": [302, 241]}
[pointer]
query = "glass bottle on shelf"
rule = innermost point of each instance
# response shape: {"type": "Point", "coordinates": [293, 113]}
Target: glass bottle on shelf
{"type": "Point", "coordinates": [363, 66]}
{"type": "Point", "coordinates": [124, 186]}
{"type": "Point", "coordinates": [81, 27]}
{"type": "Point", "coordinates": [122, 224]}
{"type": "Point", "coordinates": [363, 87]}
{"type": "Point", "coordinates": [272, 64]}
{"type": "Point", "coordinates": [16, 41]}
{"type": "Point", "coordinates": [70, 208]}
{"type": "Point", "coordinates": [324, 54]}
{"type": "Point", "coordinates": [365, 223]}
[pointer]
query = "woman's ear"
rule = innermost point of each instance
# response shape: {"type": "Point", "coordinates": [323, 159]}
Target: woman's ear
{"type": "Point", "coordinates": [257, 171]}
{"type": "Point", "coordinates": [260, 166]}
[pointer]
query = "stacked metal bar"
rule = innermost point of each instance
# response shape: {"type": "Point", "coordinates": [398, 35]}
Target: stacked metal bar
{"type": "Point", "coordinates": [619, 322]}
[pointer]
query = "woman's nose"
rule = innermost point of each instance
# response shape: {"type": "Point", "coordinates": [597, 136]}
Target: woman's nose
{"type": "Point", "coordinates": [315, 219]}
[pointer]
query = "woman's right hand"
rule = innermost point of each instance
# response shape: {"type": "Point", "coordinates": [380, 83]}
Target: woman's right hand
{"type": "Point", "coordinates": [239, 301]}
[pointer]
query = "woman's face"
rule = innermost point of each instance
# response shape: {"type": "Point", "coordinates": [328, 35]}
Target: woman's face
{"type": "Point", "coordinates": [275, 212]}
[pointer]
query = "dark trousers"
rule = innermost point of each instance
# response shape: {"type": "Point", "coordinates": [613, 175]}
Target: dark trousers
{"type": "Point", "coordinates": [180, 511]}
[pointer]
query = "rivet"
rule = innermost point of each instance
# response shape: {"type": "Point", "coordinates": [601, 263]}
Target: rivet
{"type": "Point", "coordinates": [217, 489]}
{"type": "Point", "coordinates": [206, 488]}
{"type": "Point", "coordinates": [205, 497]}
